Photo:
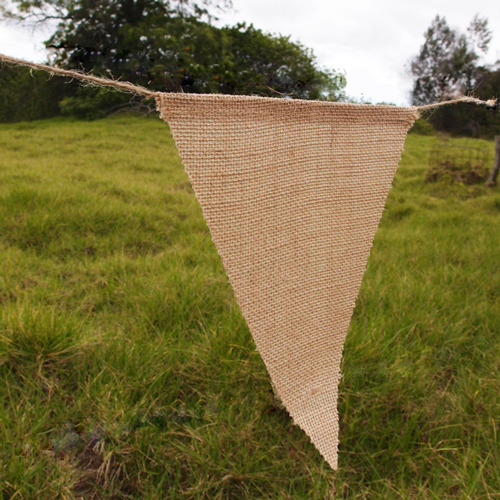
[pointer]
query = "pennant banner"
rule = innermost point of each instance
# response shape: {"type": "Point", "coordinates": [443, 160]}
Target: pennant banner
{"type": "Point", "coordinates": [292, 192]}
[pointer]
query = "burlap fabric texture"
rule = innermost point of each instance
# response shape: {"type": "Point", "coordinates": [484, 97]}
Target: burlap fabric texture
{"type": "Point", "coordinates": [292, 192]}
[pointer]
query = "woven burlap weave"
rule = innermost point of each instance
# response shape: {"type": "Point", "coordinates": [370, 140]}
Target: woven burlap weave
{"type": "Point", "coordinates": [292, 192]}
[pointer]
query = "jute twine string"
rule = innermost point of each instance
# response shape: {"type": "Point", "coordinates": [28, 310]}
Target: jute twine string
{"type": "Point", "coordinates": [79, 75]}
{"type": "Point", "coordinates": [137, 89]}
{"type": "Point", "coordinates": [489, 104]}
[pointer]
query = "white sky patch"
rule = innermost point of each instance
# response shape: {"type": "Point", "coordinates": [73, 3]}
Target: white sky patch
{"type": "Point", "coordinates": [372, 41]}
{"type": "Point", "coordinates": [23, 43]}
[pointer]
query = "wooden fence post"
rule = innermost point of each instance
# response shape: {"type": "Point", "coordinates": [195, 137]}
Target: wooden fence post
{"type": "Point", "coordinates": [492, 179]}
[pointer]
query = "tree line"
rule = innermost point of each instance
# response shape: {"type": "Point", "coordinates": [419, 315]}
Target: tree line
{"type": "Point", "coordinates": [173, 46]}
{"type": "Point", "coordinates": [165, 45]}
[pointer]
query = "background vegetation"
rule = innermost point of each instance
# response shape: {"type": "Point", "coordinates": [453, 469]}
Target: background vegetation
{"type": "Point", "coordinates": [173, 46]}
{"type": "Point", "coordinates": [169, 46]}
{"type": "Point", "coordinates": [449, 65]}
{"type": "Point", "coordinates": [128, 372]}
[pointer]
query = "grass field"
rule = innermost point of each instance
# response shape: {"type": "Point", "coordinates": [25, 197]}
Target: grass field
{"type": "Point", "coordinates": [127, 371]}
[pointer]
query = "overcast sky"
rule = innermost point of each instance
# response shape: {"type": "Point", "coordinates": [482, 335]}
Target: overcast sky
{"type": "Point", "coordinates": [370, 40]}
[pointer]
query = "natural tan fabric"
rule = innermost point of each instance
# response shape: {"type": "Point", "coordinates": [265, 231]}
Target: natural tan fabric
{"type": "Point", "coordinates": [292, 192]}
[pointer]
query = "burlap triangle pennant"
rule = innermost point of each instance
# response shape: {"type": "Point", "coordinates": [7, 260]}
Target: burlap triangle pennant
{"type": "Point", "coordinates": [292, 192]}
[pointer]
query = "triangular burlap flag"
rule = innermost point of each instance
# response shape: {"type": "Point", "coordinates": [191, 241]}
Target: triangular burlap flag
{"type": "Point", "coordinates": [292, 192]}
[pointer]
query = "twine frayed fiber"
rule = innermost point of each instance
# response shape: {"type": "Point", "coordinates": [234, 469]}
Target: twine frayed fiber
{"type": "Point", "coordinates": [85, 77]}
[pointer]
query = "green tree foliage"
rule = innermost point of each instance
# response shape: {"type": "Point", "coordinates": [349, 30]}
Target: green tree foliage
{"type": "Point", "coordinates": [447, 62]}
{"type": "Point", "coordinates": [30, 96]}
{"type": "Point", "coordinates": [448, 66]}
{"type": "Point", "coordinates": [172, 46]}
{"type": "Point", "coordinates": [471, 121]}
{"type": "Point", "coordinates": [265, 64]}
